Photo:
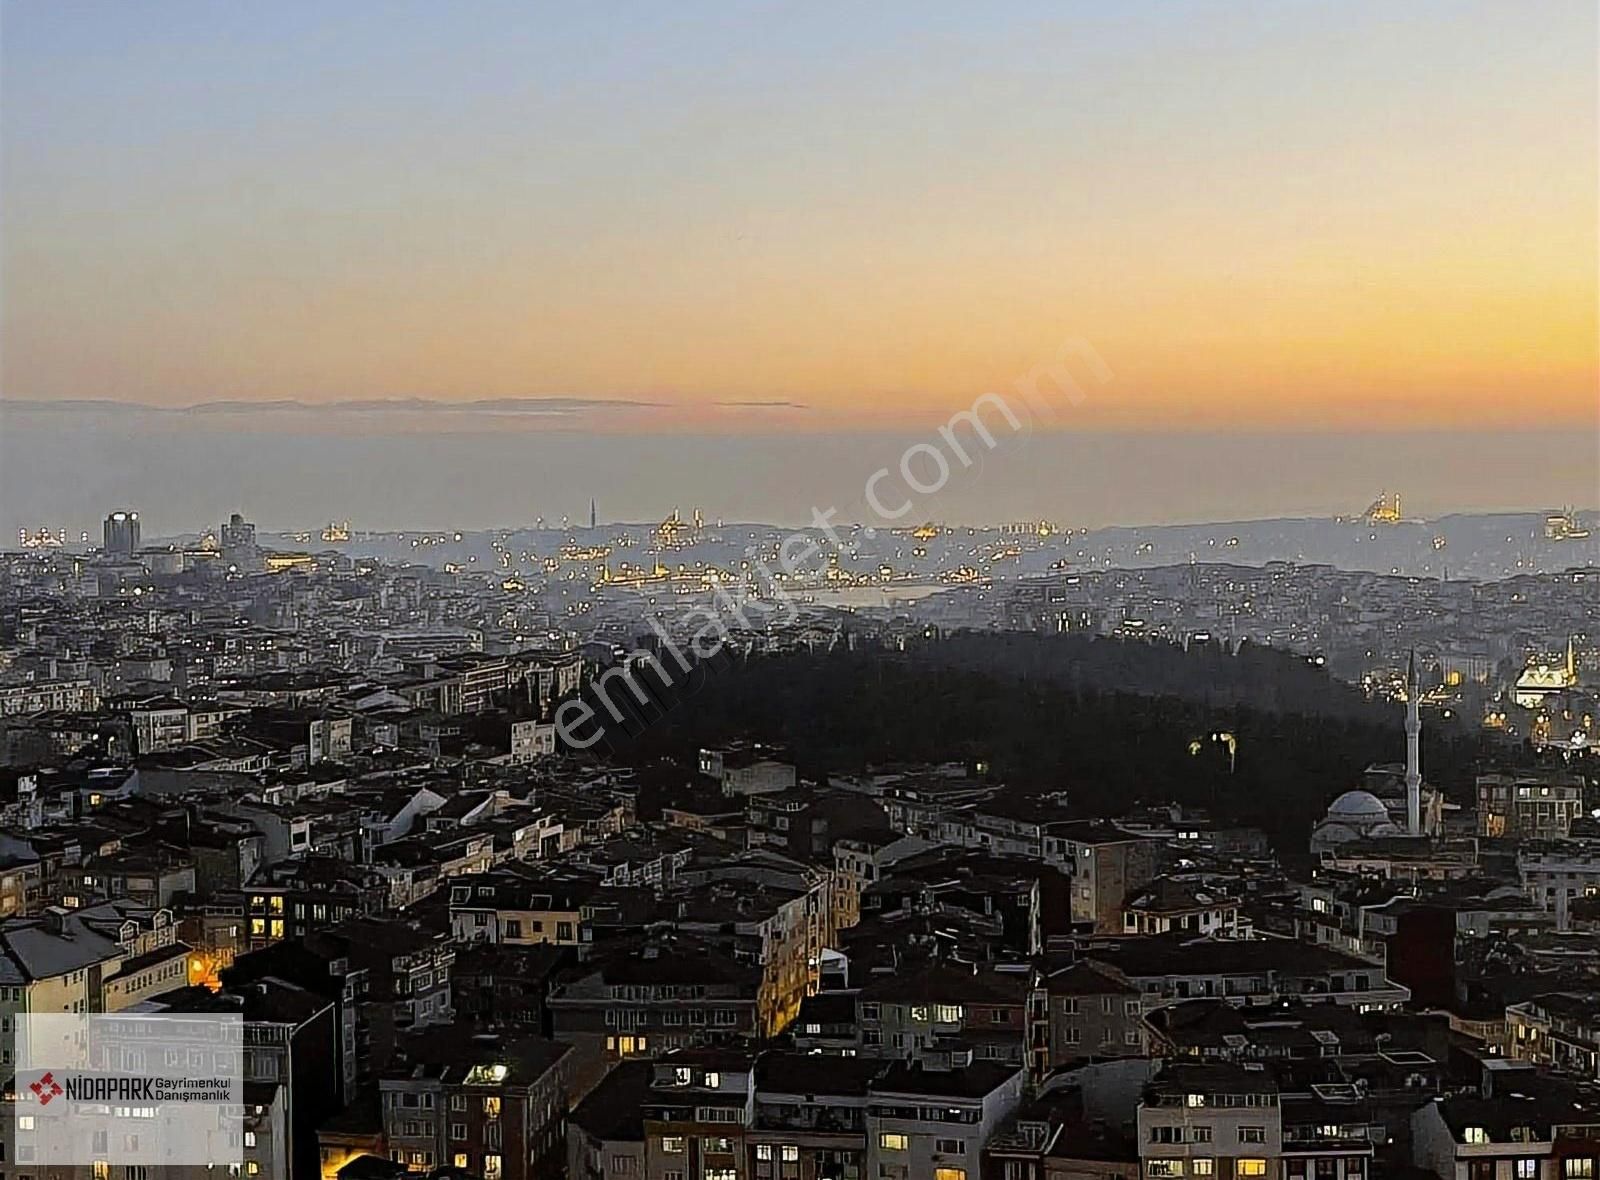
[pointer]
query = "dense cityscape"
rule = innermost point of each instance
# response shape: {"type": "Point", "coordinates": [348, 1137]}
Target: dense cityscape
{"type": "Point", "coordinates": [799, 591]}
{"type": "Point", "coordinates": [343, 795]}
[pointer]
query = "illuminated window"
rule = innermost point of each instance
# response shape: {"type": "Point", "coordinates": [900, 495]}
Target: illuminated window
{"type": "Point", "coordinates": [1474, 1135]}
{"type": "Point", "coordinates": [949, 1174]}
{"type": "Point", "coordinates": [892, 1141]}
{"type": "Point", "coordinates": [1251, 1167]}
{"type": "Point", "coordinates": [672, 1144]}
{"type": "Point", "coordinates": [1195, 1099]}
{"type": "Point", "coordinates": [1578, 1169]}
{"type": "Point", "coordinates": [1163, 1169]}
{"type": "Point", "coordinates": [460, 1160]}
{"type": "Point", "coordinates": [791, 1153]}
{"type": "Point", "coordinates": [1527, 1169]}
{"type": "Point", "coordinates": [1201, 1167]}
{"type": "Point", "coordinates": [491, 1106]}
{"type": "Point", "coordinates": [763, 1151]}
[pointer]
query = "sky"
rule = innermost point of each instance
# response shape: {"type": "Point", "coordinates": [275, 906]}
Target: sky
{"type": "Point", "coordinates": [760, 223]}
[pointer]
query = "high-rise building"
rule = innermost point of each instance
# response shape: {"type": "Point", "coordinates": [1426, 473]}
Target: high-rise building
{"type": "Point", "coordinates": [239, 542]}
{"type": "Point", "coordinates": [122, 533]}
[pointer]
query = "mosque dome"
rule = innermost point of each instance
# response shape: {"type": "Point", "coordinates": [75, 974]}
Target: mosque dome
{"type": "Point", "coordinates": [1360, 806]}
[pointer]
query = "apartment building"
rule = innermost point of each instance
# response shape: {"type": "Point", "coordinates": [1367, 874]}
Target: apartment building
{"type": "Point", "coordinates": [1559, 872]}
{"type": "Point", "coordinates": [942, 1007]}
{"type": "Point", "coordinates": [697, 1114]}
{"type": "Point", "coordinates": [491, 1106]}
{"type": "Point", "coordinates": [647, 998]}
{"type": "Point", "coordinates": [1093, 1012]}
{"type": "Point", "coordinates": [1521, 1126]}
{"type": "Point", "coordinates": [1529, 806]}
{"type": "Point", "coordinates": [515, 906]}
{"type": "Point", "coordinates": [1558, 1029]}
{"type": "Point", "coordinates": [1107, 864]}
{"type": "Point", "coordinates": [1208, 1121]}
{"type": "Point", "coordinates": [925, 1122]}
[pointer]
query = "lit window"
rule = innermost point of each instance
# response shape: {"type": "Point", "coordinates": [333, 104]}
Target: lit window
{"type": "Point", "coordinates": [949, 1174]}
{"type": "Point", "coordinates": [791, 1153]}
{"type": "Point", "coordinates": [1527, 1169]}
{"type": "Point", "coordinates": [1201, 1167]}
{"type": "Point", "coordinates": [1163, 1169]}
{"type": "Point", "coordinates": [1251, 1167]}
{"type": "Point", "coordinates": [1195, 1099]}
{"type": "Point", "coordinates": [673, 1144]}
{"type": "Point", "coordinates": [1474, 1135]}
{"type": "Point", "coordinates": [892, 1141]}
{"type": "Point", "coordinates": [763, 1151]}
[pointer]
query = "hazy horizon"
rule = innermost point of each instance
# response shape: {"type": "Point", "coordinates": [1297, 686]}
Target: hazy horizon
{"type": "Point", "coordinates": [187, 478]}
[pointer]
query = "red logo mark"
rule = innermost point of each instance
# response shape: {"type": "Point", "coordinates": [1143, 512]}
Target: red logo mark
{"type": "Point", "coordinates": [45, 1088]}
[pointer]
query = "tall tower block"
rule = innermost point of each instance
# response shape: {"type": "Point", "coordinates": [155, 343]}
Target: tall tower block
{"type": "Point", "coordinates": [1413, 750]}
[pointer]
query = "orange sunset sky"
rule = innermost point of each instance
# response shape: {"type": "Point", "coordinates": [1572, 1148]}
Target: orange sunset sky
{"type": "Point", "coordinates": [1263, 217]}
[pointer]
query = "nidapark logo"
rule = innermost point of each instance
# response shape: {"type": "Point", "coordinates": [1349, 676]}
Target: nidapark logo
{"type": "Point", "coordinates": [45, 1087]}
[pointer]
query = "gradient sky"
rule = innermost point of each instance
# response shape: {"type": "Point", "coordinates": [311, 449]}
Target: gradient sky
{"type": "Point", "coordinates": [1270, 216]}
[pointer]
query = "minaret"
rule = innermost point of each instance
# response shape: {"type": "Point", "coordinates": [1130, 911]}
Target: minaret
{"type": "Point", "coordinates": [1413, 751]}
{"type": "Point", "coordinates": [591, 513]}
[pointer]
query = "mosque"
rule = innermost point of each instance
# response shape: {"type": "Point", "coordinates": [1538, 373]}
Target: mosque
{"type": "Point", "coordinates": [1545, 678]}
{"type": "Point", "coordinates": [1396, 806]}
